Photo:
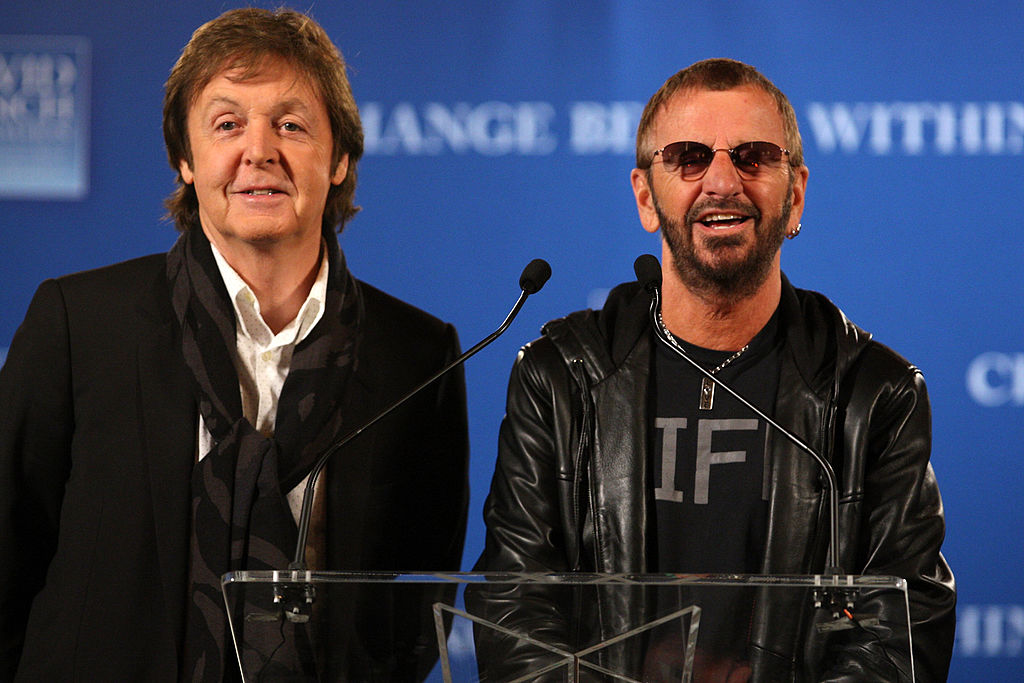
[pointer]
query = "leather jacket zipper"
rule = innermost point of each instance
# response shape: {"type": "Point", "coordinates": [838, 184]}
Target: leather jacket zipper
{"type": "Point", "coordinates": [581, 460]}
{"type": "Point", "coordinates": [827, 447]}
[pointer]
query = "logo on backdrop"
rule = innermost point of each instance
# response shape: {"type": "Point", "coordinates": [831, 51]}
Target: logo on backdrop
{"type": "Point", "coordinates": [498, 128]}
{"type": "Point", "coordinates": [996, 379]}
{"type": "Point", "coordinates": [44, 117]}
{"type": "Point", "coordinates": [588, 128]}
{"type": "Point", "coordinates": [912, 128]}
{"type": "Point", "coordinates": [990, 630]}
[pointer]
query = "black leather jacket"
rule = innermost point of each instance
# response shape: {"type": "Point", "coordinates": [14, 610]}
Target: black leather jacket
{"type": "Point", "coordinates": [573, 449]}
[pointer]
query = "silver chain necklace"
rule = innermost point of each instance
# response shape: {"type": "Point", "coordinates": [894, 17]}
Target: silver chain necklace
{"type": "Point", "coordinates": [707, 386]}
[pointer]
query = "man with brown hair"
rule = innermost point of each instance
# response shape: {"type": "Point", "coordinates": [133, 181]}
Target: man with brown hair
{"type": "Point", "coordinates": [615, 455]}
{"type": "Point", "coordinates": [161, 415]}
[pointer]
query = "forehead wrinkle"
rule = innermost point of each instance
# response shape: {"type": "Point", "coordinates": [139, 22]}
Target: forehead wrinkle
{"type": "Point", "coordinates": [293, 104]}
{"type": "Point", "coordinates": [216, 100]}
{"type": "Point", "coordinates": [268, 69]}
{"type": "Point", "coordinates": [290, 105]}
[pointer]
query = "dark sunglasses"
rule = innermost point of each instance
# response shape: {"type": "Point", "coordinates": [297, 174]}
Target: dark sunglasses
{"type": "Point", "coordinates": [692, 159]}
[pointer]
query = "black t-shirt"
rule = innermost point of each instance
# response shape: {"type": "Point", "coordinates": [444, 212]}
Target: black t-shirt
{"type": "Point", "coordinates": [709, 471]}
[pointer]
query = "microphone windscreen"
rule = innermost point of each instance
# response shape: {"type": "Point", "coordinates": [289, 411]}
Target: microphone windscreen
{"type": "Point", "coordinates": [535, 274]}
{"type": "Point", "coordinates": [648, 271]}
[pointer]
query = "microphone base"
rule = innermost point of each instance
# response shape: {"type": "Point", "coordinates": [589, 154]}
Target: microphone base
{"type": "Point", "coordinates": [296, 600]}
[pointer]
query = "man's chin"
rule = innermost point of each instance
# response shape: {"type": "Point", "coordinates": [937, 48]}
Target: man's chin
{"type": "Point", "coordinates": [732, 242]}
{"type": "Point", "coordinates": [727, 256]}
{"type": "Point", "coordinates": [725, 274]}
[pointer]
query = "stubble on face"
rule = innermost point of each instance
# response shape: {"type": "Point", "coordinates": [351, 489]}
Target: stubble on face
{"type": "Point", "coordinates": [713, 270]}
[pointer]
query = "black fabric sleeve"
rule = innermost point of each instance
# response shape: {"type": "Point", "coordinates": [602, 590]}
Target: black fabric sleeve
{"type": "Point", "coordinates": [35, 436]}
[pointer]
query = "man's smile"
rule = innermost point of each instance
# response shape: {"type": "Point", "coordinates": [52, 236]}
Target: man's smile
{"type": "Point", "coordinates": [722, 221]}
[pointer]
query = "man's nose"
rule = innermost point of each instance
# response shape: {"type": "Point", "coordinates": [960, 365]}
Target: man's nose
{"type": "Point", "coordinates": [260, 144]}
{"type": "Point", "coordinates": [722, 178]}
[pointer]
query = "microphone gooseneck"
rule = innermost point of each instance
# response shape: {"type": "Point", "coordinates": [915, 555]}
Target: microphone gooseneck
{"type": "Point", "coordinates": [648, 273]}
{"type": "Point", "coordinates": [534, 276]}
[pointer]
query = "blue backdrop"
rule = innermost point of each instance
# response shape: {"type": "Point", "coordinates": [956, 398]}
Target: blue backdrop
{"type": "Point", "coordinates": [500, 132]}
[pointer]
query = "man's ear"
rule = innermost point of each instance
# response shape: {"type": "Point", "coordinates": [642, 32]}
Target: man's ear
{"type": "Point", "coordinates": [341, 171]}
{"type": "Point", "coordinates": [640, 178]}
{"type": "Point", "coordinates": [186, 172]}
{"type": "Point", "coordinates": [799, 190]}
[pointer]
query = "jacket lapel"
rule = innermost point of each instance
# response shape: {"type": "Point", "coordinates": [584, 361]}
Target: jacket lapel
{"type": "Point", "coordinates": [349, 475]}
{"type": "Point", "coordinates": [797, 540]}
{"type": "Point", "coordinates": [615, 348]}
{"type": "Point", "coordinates": [169, 422]}
{"type": "Point", "coordinates": [619, 461]}
{"type": "Point", "coordinates": [797, 536]}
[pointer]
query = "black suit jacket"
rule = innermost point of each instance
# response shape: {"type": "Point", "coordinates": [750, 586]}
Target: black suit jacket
{"type": "Point", "coordinates": [97, 443]}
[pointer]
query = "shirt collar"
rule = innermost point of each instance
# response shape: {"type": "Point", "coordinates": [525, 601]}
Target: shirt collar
{"type": "Point", "coordinates": [247, 307]}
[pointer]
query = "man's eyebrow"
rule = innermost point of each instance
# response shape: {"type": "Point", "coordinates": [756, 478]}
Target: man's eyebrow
{"type": "Point", "coordinates": [291, 104]}
{"type": "Point", "coordinates": [219, 100]}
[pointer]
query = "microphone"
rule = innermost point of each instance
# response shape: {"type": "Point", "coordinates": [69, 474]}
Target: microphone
{"type": "Point", "coordinates": [648, 274]}
{"type": "Point", "coordinates": [535, 275]}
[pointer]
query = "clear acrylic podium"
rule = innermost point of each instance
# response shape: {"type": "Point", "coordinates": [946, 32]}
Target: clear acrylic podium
{"type": "Point", "coordinates": [355, 626]}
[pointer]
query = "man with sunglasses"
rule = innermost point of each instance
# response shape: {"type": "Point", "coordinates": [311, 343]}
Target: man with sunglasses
{"type": "Point", "coordinates": [616, 455]}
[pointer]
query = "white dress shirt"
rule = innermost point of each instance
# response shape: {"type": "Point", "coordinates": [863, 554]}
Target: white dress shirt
{"type": "Point", "coordinates": [262, 358]}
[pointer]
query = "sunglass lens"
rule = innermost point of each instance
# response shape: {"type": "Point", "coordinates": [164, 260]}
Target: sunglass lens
{"type": "Point", "coordinates": [751, 156]}
{"type": "Point", "coordinates": [689, 158]}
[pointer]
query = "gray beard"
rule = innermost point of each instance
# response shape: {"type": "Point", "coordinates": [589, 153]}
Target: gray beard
{"type": "Point", "coordinates": [732, 280]}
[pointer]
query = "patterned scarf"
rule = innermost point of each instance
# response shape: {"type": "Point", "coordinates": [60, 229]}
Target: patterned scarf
{"type": "Point", "coordinates": [240, 516]}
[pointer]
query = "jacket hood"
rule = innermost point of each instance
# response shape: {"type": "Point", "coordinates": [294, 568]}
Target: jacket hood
{"type": "Point", "coordinates": [823, 348]}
